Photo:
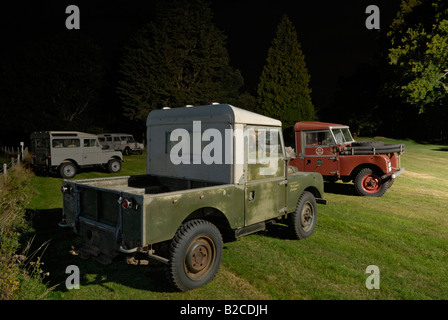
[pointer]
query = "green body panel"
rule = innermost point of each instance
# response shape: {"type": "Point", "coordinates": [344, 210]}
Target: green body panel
{"type": "Point", "coordinates": [164, 213]}
{"type": "Point", "coordinates": [156, 217]}
{"type": "Point", "coordinates": [303, 181]}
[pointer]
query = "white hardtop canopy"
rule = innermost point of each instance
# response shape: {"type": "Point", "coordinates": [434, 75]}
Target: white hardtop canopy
{"type": "Point", "coordinates": [215, 112]}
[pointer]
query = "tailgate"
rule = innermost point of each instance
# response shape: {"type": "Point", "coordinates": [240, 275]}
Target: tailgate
{"type": "Point", "coordinates": [99, 217]}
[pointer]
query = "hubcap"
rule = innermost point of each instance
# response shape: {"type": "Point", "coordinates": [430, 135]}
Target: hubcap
{"type": "Point", "coordinates": [68, 171]}
{"type": "Point", "coordinates": [199, 258]}
{"type": "Point", "coordinates": [115, 166]}
{"type": "Point", "coordinates": [307, 217]}
{"type": "Point", "coordinates": [371, 183]}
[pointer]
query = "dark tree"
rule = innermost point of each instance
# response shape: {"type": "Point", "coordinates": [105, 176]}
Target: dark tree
{"type": "Point", "coordinates": [283, 91]}
{"type": "Point", "coordinates": [418, 53]}
{"type": "Point", "coordinates": [178, 58]}
{"type": "Point", "coordinates": [55, 85]}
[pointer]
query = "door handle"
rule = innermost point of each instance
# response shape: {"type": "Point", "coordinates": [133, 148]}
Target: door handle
{"type": "Point", "coordinates": [251, 195]}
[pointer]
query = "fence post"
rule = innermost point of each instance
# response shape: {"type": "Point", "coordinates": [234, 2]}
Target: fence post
{"type": "Point", "coordinates": [12, 162]}
{"type": "Point", "coordinates": [5, 169]}
{"type": "Point", "coordinates": [22, 144]}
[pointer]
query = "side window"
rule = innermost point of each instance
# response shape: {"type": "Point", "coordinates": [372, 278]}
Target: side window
{"type": "Point", "coordinates": [109, 139]}
{"type": "Point", "coordinates": [65, 143]}
{"type": "Point", "coordinates": [117, 139]}
{"type": "Point", "coordinates": [265, 153]}
{"type": "Point", "coordinates": [320, 138]}
{"type": "Point", "coordinates": [90, 143]}
{"type": "Point", "coordinates": [101, 139]}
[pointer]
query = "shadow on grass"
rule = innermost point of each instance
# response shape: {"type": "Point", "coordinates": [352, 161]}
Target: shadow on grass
{"type": "Point", "coordinates": [440, 149]}
{"type": "Point", "coordinates": [347, 189]}
{"type": "Point", "coordinates": [57, 258]}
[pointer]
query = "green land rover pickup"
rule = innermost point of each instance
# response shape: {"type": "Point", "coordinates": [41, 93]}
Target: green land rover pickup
{"type": "Point", "coordinates": [214, 172]}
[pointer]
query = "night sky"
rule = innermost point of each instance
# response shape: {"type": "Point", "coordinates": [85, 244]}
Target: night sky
{"type": "Point", "coordinates": [333, 35]}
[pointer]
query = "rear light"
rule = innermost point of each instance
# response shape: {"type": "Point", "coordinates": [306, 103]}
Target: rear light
{"type": "Point", "coordinates": [48, 156]}
{"type": "Point", "coordinates": [129, 204]}
{"type": "Point", "coordinates": [66, 189]}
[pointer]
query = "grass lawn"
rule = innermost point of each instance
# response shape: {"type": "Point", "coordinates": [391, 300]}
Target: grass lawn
{"type": "Point", "coordinates": [404, 233]}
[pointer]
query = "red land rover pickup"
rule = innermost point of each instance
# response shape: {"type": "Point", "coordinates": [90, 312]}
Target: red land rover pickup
{"type": "Point", "coordinates": [330, 149]}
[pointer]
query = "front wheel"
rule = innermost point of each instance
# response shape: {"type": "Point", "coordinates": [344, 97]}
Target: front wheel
{"type": "Point", "coordinates": [302, 222]}
{"type": "Point", "coordinates": [368, 183]}
{"type": "Point", "coordinates": [195, 255]}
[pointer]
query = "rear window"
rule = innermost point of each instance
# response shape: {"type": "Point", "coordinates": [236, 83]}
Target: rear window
{"type": "Point", "coordinates": [65, 143]}
{"type": "Point", "coordinates": [40, 143]}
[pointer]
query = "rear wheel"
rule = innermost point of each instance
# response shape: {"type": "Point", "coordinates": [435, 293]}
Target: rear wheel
{"type": "Point", "coordinates": [67, 170]}
{"type": "Point", "coordinates": [195, 255]}
{"type": "Point", "coordinates": [368, 183]}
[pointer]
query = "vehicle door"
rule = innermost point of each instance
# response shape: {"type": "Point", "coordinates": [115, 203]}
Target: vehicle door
{"type": "Point", "coordinates": [265, 186]}
{"type": "Point", "coordinates": [319, 152]}
{"type": "Point", "coordinates": [91, 151]}
{"type": "Point", "coordinates": [41, 150]}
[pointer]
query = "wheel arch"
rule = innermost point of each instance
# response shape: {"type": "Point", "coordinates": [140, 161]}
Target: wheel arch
{"type": "Point", "coordinates": [376, 169]}
{"type": "Point", "coordinates": [314, 191]}
{"type": "Point", "coordinates": [214, 216]}
{"type": "Point", "coordinates": [69, 160]}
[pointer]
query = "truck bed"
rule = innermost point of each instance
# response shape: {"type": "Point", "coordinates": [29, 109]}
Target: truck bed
{"type": "Point", "coordinates": [145, 184]}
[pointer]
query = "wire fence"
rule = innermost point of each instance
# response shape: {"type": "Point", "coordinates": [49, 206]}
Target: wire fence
{"type": "Point", "coordinates": [14, 155]}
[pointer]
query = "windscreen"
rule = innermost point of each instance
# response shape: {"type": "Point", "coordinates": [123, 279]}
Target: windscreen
{"type": "Point", "coordinates": [342, 135]}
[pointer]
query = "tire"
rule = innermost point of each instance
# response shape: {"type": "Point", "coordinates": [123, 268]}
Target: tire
{"type": "Point", "coordinates": [67, 170]}
{"type": "Point", "coordinates": [195, 255]}
{"type": "Point", "coordinates": [114, 166]}
{"type": "Point", "coordinates": [302, 222]}
{"type": "Point", "coordinates": [368, 183]}
{"type": "Point", "coordinates": [127, 151]}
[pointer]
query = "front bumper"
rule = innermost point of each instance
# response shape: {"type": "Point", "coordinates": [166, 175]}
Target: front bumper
{"type": "Point", "coordinates": [392, 175]}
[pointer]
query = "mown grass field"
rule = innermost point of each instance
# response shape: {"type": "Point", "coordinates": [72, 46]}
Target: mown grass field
{"type": "Point", "coordinates": [404, 233]}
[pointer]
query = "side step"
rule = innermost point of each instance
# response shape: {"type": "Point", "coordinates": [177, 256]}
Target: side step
{"type": "Point", "coordinates": [261, 226]}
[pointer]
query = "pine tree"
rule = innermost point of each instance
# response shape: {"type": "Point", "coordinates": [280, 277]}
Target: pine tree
{"type": "Point", "coordinates": [179, 58]}
{"type": "Point", "coordinates": [283, 91]}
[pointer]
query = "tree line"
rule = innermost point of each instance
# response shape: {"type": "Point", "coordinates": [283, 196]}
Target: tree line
{"type": "Point", "coordinates": [404, 93]}
{"type": "Point", "coordinates": [180, 57]}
